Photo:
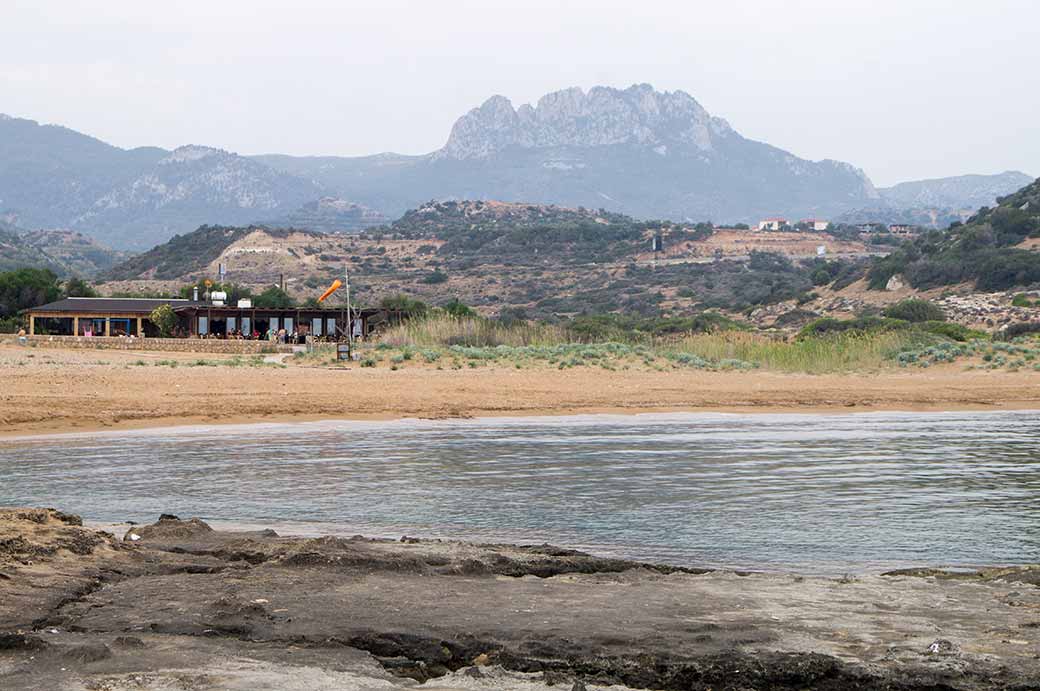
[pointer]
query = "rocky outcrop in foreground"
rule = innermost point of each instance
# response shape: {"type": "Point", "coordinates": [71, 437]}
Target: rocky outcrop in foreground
{"type": "Point", "coordinates": [180, 605]}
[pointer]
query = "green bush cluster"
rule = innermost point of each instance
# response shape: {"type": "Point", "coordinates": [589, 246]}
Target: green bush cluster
{"type": "Point", "coordinates": [1021, 352]}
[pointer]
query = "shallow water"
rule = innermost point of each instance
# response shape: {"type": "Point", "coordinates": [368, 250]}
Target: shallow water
{"type": "Point", "coordinates": [824, 494]}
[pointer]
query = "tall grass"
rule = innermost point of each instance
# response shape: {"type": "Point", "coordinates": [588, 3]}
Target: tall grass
{"type": "Point", "coordinates": [852, 350]}
{"type": "Point", "coordinates": [444, 330]}
{"type": "Point", "coordinates": [481, 341]}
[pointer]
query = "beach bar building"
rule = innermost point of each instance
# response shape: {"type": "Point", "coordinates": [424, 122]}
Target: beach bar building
{"type": "Point", "coordinates": [198, 319]}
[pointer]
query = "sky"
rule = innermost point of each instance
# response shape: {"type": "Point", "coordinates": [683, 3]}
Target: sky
{"type": "Point", "coordinates": [904, 89]}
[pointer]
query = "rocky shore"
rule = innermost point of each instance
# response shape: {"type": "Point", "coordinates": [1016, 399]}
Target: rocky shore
{"type": "Point", "coordinates": [178, 605]}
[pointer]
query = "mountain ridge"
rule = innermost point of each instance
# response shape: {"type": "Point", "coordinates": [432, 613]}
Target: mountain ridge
{"type": "Point", "coordinates": [636, 151]}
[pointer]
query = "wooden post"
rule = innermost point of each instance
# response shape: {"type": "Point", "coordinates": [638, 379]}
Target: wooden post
{"type": "Point", "coordinates": [108, 326]}
{"type": "Point", "coordinates": [140, 331]}
{"type": "Point", "coordinates": [75, 326]}
{"type": "Point", "coordinates": [32, 325]}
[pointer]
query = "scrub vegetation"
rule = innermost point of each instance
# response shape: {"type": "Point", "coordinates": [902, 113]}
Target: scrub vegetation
{"type": "Point", "coordinates": [710, 342]}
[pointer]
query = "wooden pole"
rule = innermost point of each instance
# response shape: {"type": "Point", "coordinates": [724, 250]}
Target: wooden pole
{"type": "Point", "coordinates": [75, 326]}
{"type": "Point", "coordinates": [108, 326]}
{"type": "Point", "coordinates": [32, 325]}
{"type": "Point", "coordinates": [350, 316]}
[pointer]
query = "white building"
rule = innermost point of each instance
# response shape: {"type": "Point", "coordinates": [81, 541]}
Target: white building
{"type": "Point", "coordinates": [816, 224]}
{"type": "Point", "coordinates": [772, 223]}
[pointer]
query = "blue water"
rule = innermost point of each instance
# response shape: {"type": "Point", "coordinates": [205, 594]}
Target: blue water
{"type": "Point", "coordinates": [824, 494]}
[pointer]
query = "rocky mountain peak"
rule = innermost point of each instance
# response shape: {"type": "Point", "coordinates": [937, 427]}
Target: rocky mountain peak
{"type": "Point", "coordinates": [603, 116]}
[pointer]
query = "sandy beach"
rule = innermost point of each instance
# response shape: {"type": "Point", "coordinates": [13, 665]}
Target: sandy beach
{"type": "Point", "coordinates": [54, 390]}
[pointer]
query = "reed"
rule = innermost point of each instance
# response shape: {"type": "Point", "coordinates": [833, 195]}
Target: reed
{"type": "Point", "coordinates": [481, 341]}
{"type": "Point", "coordinates": [816, 354]}
{"type": "Point", "coordinates": [446, 330]}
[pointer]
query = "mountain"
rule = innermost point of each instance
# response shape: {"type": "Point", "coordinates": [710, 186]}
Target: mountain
{"type": "Point", "coordinates": [937, 203]}
{"type": "Point", "coordinates": [191, 186]}
{"type": "Point", "coordinates": [55, 177]}
{"type": "Point", "coordinates": [636, 151]}
{"type": "Point", "coordinates": [996, 249]}
{"type": "Point", "coordinates": [959, 192]}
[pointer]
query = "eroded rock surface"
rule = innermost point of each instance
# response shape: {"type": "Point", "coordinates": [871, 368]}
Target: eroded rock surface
{"type": "Point", "coordinates": [185, 606]}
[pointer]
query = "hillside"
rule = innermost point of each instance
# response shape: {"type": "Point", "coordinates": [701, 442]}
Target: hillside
{"type": "Point", "coordinates": [64, 252]}
{"type": "Point", "coordinates": [500, 257]}
{"type": "Point", "coordinates": [331, 215]}
{"type": "Point", "coordinates": [936, 203]}
{"type": "Point", "coordinates": [958, 192]}
{"type": "Point", "coordinates": [15, 253]}
{"type": "Point", "coordinates": [78, 254]}
{"type": "Point", "coordinates": [996, 249]}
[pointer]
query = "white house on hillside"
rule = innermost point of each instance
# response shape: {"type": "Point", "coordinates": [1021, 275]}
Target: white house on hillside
{"type": "Point", "coordinates": [816, 224]}
{"type": "Point", "coordinates": [772, 223]}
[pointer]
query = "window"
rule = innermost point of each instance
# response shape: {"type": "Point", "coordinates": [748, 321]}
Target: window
{"type": "Point", "coordinates": [203, 326]}
{"type": "Point", "coordinates": [247, 326]}
{"type": "Point", "coordinates": [287, 324]}
{"type": "Point", "coordinates": [331, 327]}
{"type": "Point", "coordinates": [316, 324]}
{"type": "Point", "coordinates": [231, 324]}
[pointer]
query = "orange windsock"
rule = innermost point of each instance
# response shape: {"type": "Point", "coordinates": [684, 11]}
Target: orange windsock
{"type": "Point", "coordinates": [332, 289]}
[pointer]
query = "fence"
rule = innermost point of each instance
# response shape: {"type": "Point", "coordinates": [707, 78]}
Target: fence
{"type": "Point", "coordinates": [185, 345]}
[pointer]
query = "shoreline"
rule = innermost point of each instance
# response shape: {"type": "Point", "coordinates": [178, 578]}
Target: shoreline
{"type": "Point", "coordinates": [48, 430]}
{"type": "Point", "coordinates": [57, 391]}
{"type": "Point", "coordinates": [181, 603]}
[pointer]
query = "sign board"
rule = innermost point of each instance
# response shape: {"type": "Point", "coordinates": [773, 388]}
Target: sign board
{"type": "Point", "coordinates": [342, 351]}
{"type": "Point", "coordinates": [245, 303]}
{"type": "Point", "coordinates": [821, 250]}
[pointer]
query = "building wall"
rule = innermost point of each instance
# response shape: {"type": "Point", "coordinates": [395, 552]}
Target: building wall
{"type": "Point", "coordinates": [183, 345]}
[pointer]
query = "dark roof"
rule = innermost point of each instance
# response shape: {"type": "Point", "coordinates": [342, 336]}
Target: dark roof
{"type": "Point", "coordinates": [133, 305]}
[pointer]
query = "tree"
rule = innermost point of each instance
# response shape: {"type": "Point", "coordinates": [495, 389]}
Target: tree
{"type": "Point", "coordinates": [78, 288]}
{"type": "Point", "coordinates": [24, 288]}
{"type": "Point", "coordinates": [273, 298]}
{"type": "Point", "coordinates": [401, 303]}
{"type": "Point", "coordinates": [234, 291]}
{"type": "Point", "coordinates": [163, 318]}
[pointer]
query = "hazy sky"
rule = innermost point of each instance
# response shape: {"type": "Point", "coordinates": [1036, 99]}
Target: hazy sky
{"type": "Point", "coordinates": [902, 88]}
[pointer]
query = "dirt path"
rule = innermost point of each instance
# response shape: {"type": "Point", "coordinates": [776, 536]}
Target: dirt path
{"type": "Point", "coordinates": [45, 390]}
{"type": "Point", "coordinates": [186, 607]}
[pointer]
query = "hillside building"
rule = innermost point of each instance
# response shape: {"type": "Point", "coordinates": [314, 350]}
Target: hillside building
{"type": "Point", "coordinates": [772, 223]}
{"type": "Point", "coordinates": [815, 224]}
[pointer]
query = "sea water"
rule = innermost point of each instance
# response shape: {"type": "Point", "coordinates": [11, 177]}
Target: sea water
{"type": "Point", "coordinates": [811, 493]}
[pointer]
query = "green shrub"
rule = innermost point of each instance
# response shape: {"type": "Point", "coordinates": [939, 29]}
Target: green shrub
{"type": "Point", "coordinates": [914, 310]}
{"type": "Point", "coordinates": [827, 325]}
{"type": "Point", "coordinates": [954, 332]}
